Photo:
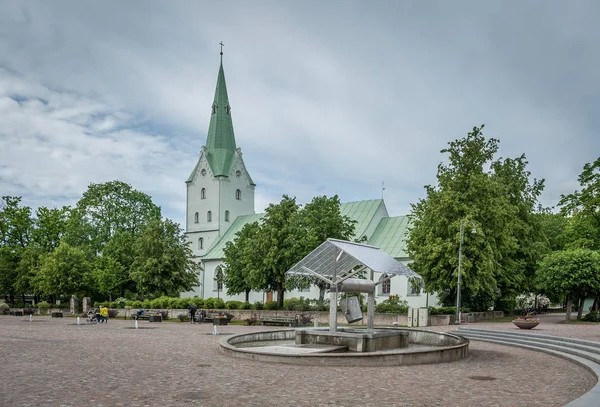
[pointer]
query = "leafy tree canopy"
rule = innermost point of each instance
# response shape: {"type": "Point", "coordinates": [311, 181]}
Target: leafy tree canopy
{"type": "Point", "coordinates": [495, 199]}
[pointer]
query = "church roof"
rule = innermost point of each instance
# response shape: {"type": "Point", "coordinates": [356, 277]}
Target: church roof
{"type": "Point", "coordinates": [220, 142]}
{"type": "Point", "coordinates": [390, 236]}
{"type": "Point", "coordinates": [389, 233]}
{"type": "Point", "coordinates": [216, 251]}
{"type": "Point", "coordinates": [362, 212]}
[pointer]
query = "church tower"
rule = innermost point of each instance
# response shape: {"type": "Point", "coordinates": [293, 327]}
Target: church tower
{"type": "Point", "coordinates": [219, 189]}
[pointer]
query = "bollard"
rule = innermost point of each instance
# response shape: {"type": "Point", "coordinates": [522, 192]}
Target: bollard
{"type": "Point", "coordinates": [77, 320]}
{"type": "Point", "coordinates": [136, 324]}
{"type": "Point", "coordinates": [215, 332]}
{"type": "Point", "coordinates": [316, 322]}
{"type": "Point", "coordinates": [30, 318]}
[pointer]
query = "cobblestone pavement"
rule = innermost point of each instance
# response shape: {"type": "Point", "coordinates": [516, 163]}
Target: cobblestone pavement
{"type": "Point", "coordinates": [55, 362]}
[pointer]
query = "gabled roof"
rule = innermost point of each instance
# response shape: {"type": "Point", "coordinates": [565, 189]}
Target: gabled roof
{"type": "Point", "coordinates": [362, 212]}
{"type": "Point", "coordinates": [342, 257]}
{"type": "Point", "coordinates": [216, 251]}
{"type": "Point", "coordinates": [220, 142]}
{"type": "Point", "coordinates": [390, 236]}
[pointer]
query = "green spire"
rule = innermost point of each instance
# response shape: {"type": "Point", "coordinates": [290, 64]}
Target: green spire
{"type": "Point", "coordinates": [220, 143]}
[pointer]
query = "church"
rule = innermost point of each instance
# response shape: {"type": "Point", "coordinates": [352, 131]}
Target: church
{"type": "Point", "coordinates": [220, 201]}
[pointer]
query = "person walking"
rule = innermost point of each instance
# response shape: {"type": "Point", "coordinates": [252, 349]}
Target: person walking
{"type": "Point", "coordinates": [104, 314]}
{"type": "Point", "coordinates": [192, 308]}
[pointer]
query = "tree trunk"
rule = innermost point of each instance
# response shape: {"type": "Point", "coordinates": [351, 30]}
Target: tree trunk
{"type": "Point", "coordinates": [247, 295]}
{"type": "Point", "coordinates": [280, 290]}
{"type": "Point", "coordinates": [580, 310]}
{"type": "Point", "coordinates": [569, 307]}
{"type": "Point", "coordinates": [322, 288]}
{"type": "Point", "coordinates": [595, 306]}
{"type": "Point", "coordinates": [535, 303]}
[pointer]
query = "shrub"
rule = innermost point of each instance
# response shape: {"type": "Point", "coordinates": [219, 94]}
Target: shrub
{"type": "Point", "coordinates": [198, 301]}
{"type": "Point", "coordinates": [271, 305]}
{"type": "Point", "coordinates": [183, 317]}
{"type": "Point", "coordinates": [317, 305]}
{"type": "Point", "coordinates": [173, 303]}
{"type": "Point", "coordinates": [164, 313]}
{"type": "Point", "coordinates": [444, 310]}
{"type": "Point", "coordinates": [219, 303]}
{"type": "Point", "coordinates": [591, 316]}
{"type": "Point", "coordinates": [392, 306]}
{"type": "Point", "coordinates": [43, 306]}
{"type": "Point", "coordinates": [209, 303]}
{"type": "Point", "coordinates": [146, 304]}
{"type": "Point", "coordinates": [297, 304]}
{"type": "Point", "coordinates": [120, 302]}
{"type": "Point", "coordinates": [304, 319]}
{"type": "Point", "coordinates": [136, 304]}
{"type": "Point", "coordinates": [112, 313]}
{"type": "Point", "coordinates": [233, 304]}
{"type": "Point", "coordinates": [258, 305]}
{"type": "Point", "coordinates": [4, 308]}
{"type": "Point", "coordinates": [28, 311]}
{"type": "Point", "coordinates": [246, 305]}
{"type": "Point", "coordinates": [253, 320]}
{"type": "Point", "coordinates": [184, 303]}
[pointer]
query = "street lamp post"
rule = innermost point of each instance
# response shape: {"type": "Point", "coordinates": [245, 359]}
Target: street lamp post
{"type": "Point", "coordinates": [461, 236]}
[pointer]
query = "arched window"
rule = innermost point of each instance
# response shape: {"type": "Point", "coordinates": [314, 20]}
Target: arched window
{"type": "Point", "coordinates": [219, 276]}
{"type": "Point", "coordinates": [386, 285]}
{"type": "Point", "coordinates": [209, 216]}
{"type": "Point", "coordinates": [203, 193]}
{"type": "Point", "coordinates": [201, 243]}
{"type": "Point", "coordinates": [238, 194]}
{"type": "Point", "coordinates": [196, 218]}
{"type": "Point", "coordinates": [226, 216]}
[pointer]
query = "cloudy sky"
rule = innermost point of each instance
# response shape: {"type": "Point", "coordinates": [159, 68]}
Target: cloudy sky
{"type": "Point", "coordinates": [328, 97]}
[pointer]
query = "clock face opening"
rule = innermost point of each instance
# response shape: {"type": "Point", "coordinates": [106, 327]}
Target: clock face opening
{"type": "Point", "coordinates": [238, 173]}
{"type": "Point", "coordinates": [203, 172]}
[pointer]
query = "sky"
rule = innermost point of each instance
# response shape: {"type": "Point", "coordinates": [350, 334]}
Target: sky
{"type": "Point", "coordinates": [327, 97]}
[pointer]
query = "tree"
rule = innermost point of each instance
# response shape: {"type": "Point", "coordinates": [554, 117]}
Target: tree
{"type": "Point", "coordinates": [275, 241]}
{"type": "Point", "coordinates": [319, 220]}
{"type": "Point", "coordinates": [163, 262]}
{"type": "Point", "coordinates": [50, 226]}
{"type": "Point", "coordinates": [497, 200]}
{"type": "Point", "coordinates": [107, 208]}
{"type": "Point", "coordinates": [16, 223]}
{"type": "Point", "coordinates": [574, 274]}
{"type": "Point", "coordinates": [241, 260]}
{"type": "Point", "coordinates": [582, 208]}
{"type": "Point", "coordinates": [64, 272]}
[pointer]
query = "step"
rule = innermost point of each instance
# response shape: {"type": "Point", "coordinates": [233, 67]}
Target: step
{"type": "Point", "coordinates": [589, 399]}
{"type": "Point", "coordinates": [586, 346]}
{"type": "Point", "coordinates": [593, 356]}
{"type": "Point", "coordinates": [533, 335]}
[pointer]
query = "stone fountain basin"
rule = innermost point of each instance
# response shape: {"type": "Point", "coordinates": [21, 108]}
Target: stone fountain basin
{"type": "Point", "coordinates": [281, 347]}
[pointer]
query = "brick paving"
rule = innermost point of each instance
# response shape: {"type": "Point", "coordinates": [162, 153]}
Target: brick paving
{"type": "Point", "coordinates": [54, 362]}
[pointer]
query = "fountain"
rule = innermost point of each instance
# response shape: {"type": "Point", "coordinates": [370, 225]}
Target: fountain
{"type": "Point", "coordinates": [338, 262]}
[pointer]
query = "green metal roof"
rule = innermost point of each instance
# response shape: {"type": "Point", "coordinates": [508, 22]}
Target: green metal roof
{"type": "Point", "coordinates": [390, 236]}
{"type": "Point", "coordinates": [220, 142]}
{"type": "Point", "coordinates": [216, 251]}
{"type": "Point", "coordinates": [362, 212]}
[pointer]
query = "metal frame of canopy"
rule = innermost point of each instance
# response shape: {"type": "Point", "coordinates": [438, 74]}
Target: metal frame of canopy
{"type": "Point", "coordinates": [336, 261]}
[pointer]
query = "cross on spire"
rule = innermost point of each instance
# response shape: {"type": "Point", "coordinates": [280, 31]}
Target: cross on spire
{"type": "Point", "coordinates": [221, 44]}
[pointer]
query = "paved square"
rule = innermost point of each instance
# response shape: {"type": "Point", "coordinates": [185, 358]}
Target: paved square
{"type": "Point", "coordinates": [54, 362]}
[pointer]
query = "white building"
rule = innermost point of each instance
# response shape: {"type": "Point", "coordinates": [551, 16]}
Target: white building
{"type": "Point", "coordinates": [220, 201]}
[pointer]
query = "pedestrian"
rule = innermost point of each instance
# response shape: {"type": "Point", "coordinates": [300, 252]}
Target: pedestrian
{"type": "Point", "coordinates": [192, 308]}
{"type": "Point", "coordinates": [97, 314]}
{"type": "Point", "coordinates": [104, 314]}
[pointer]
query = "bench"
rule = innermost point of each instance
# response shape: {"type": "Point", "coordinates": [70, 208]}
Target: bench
{"type": "Point", "coordinates": [150, 315]}
{"type": "Point", "coordinates": [57, 314]}
{"type": "Point", "coordinates": [278, 320]}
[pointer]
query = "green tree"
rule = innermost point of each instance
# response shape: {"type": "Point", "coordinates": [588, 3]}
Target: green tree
{"type": "Point", "coordinates": [572, 274]}
{"type": "Point", "coordinates": [106, 209]}
{"type": "Point", "coordinates": [16, 222]}
{"type": "Point", "coordinates": [276, 243]}
{"type": "Point", "coordinates": [241, 260]}
{"type": "Point", "coordinates": [163, 262]}
{"type": "Point", "coordinates": [50, 226]}
{"type": "Point", "coordinates": [319, 220]}
{"type": "Point", "coordinates": [64, 272]}
{"type": "Point", "coordinates": [582, 209]}
{"type": "Point", "coordinates": [496, 198]}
